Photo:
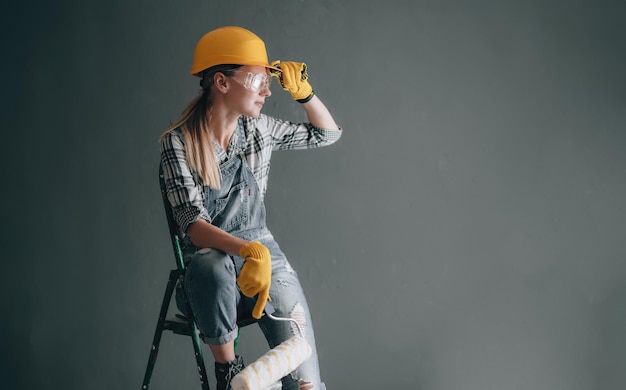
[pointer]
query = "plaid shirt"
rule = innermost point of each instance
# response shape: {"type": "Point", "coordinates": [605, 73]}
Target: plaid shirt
{"type": "Point", "coordinates": [263, 135]}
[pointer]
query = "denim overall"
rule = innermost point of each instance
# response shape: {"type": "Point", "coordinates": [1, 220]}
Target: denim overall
{"type": "Point", "coordinates": [237, 207]}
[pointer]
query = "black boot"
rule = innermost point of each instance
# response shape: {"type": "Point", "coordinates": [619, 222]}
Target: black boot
{"type": "Point", "coordinates": [225, 372]}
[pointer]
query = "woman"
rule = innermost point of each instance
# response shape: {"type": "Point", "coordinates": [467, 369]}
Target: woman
{"type": "Point", "coordinates": [216, 160]}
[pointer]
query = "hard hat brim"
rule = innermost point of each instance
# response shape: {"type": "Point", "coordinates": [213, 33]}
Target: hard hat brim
{"type": "Point", "coordinates": [198, 73]}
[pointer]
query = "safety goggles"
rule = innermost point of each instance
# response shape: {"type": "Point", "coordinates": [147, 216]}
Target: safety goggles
{"type": "Point", "coordinates": [255, 81]}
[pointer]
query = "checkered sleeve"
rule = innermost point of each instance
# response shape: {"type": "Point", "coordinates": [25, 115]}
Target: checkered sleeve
{"type": "Point", "coordinates": [183, 191]}
{"type": "Point", "coordinates": [287, 135]}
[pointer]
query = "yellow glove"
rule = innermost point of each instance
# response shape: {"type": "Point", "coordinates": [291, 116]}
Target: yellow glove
{"type": "Point", "coordinates": [293, 77]}
{"type": "Point", "coordinates": [256, 274]}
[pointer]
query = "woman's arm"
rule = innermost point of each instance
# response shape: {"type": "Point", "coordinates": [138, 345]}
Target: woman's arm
{"type": "Point", "coordinates": [318, 114]}
{"type": "Point", "coordinates": [294, 77]}
{"type": "Point", "coordinates": [205, 235]}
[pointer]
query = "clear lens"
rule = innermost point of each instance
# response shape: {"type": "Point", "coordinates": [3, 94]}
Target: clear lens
{"type": "Point", "coordinates": [257, 81]}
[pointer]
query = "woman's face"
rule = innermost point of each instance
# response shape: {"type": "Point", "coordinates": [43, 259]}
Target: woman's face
{"type": "Point", "coordinates": [249, 89]}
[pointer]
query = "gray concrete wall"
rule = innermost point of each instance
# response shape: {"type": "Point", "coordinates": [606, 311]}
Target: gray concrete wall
{"type": "Point", "coordinates": [467, 232]}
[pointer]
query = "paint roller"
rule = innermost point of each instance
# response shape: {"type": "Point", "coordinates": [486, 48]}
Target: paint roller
{"type": "Point", "coordinates": [276, 363]}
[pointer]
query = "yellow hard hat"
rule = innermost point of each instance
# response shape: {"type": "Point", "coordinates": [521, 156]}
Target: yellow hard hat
{"type": "Point", "coordinates": [229, 45]}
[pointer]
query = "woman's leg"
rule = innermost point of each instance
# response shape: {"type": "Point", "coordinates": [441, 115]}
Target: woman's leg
{"type": "Point", "coordinates": [223, 353]}
{"type": "Point", "coordinates": [214, 296]}
{"type": "Point", "coordinates": [289, 301]}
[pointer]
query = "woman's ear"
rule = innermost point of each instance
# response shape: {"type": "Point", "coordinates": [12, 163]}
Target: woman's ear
{"type": "Point", "coordinates": [220, 81]}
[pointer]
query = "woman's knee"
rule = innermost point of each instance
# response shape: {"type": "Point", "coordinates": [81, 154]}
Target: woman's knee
{"type": "Point", "coordinates": [211, 265]}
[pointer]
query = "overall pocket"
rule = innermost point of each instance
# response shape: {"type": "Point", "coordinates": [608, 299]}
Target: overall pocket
{"type": "Point", "coordinates": [231, 211]}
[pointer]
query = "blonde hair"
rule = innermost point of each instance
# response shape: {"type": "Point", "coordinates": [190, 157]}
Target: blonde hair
{"type": "Point", "coordinates": [194, 125]}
